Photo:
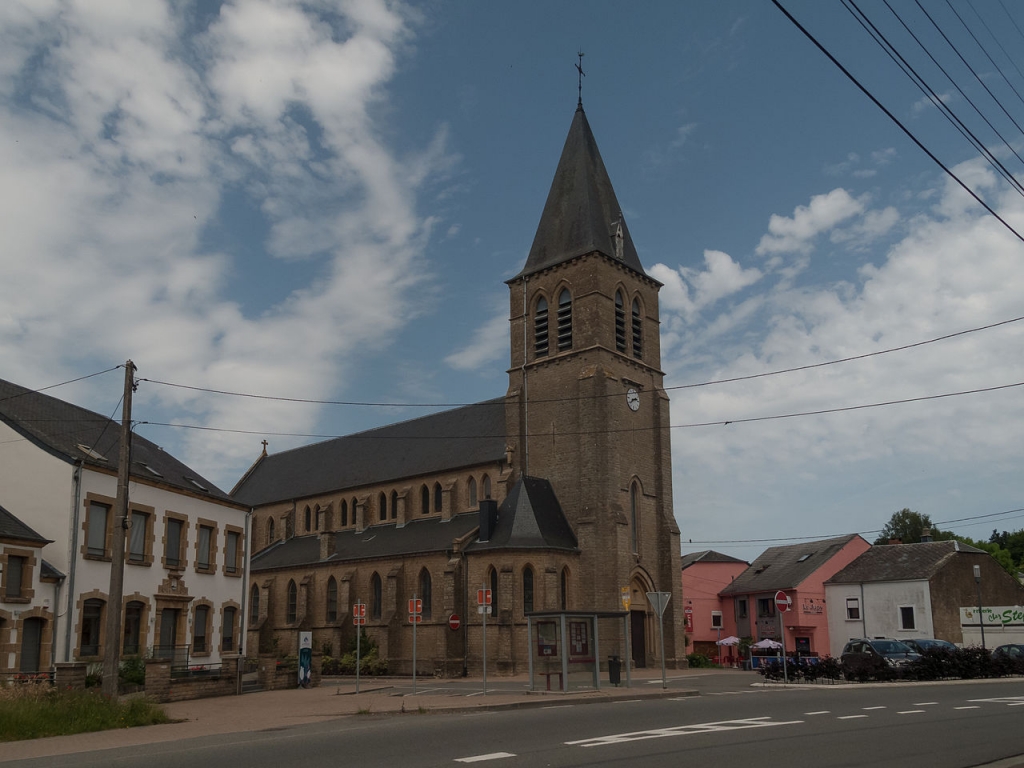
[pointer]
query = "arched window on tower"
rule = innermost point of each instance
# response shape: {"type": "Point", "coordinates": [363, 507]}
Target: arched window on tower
{"type": "Point", "coordinates": [270, 531]}
{"type": "Point", "coordinates": [424, 500]}
{"type": "Point", "coordinates": [472, 493]}
{"type": "Point", "coordinates": [527, 589]}
{"type": "Point", "coordinates": [426, 593]}
{"type": "Point", "coordinates": [540, 328]}
{"type": "Point", "coordinates": [308, 516]}
{"type": "Point", "coordinates": [638, 331]}
{"type": "Point", "coordinates": [376, 596]}
{"type": "Point", "coordinates": [382, 506]}
{"type": "Point", "coordinates": [394, 505]}
{"type": "Point", "coordinates": [254, 605]}
{"type": "Point", "coordinates": [634, 514]}
{"type": "Point", "coordinates": [486, 487]}
{"type": "Point", "coordinates": [437, 497]}
{"type": "Point", "coordinates": [344, 513]}
{"type": "Point", "coordinates": [620, 322]}
{"type": "Point", "coordinates": [353, 508]}
{"type": "Point", "coordinates": [563, 589]}
{"type": "Point", "coordinates": [564, 320]}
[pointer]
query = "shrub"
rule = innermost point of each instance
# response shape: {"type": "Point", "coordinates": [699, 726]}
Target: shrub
{"type": "Point", "coordinates": [698, 661]}
{"type": "Point", "coordinates": [133, 671]}
{"type": "Point", "coordinates": [32, 712]}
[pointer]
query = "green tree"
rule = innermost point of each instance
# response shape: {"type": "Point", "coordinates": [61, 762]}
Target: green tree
{"type": "Point", "coordinates": [1002, 556]}
{"type": "Point", "coordinates": [908, 526]}
{"type": "Point", "coordinates": [1013, 542]}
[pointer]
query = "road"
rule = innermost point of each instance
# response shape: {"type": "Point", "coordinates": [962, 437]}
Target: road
{"type": "Point", "coordinates": [950, 725]}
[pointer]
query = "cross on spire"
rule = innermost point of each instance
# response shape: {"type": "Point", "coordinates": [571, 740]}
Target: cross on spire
{"type": "Point", "coordinates": [579, 79]}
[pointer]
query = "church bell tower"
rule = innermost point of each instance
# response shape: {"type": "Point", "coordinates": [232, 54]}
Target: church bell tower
{"type": "Point", "coordinates": [586, 408]}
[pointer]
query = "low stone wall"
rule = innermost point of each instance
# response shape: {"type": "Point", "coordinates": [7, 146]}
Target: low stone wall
{"type": "Point", "coordinates": [70, 674]}
{"type": "Point", "coordinates": [163, 687]}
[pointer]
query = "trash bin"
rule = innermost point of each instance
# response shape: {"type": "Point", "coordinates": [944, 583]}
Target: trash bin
{"type": "Point", "coordinates": [614, 670]}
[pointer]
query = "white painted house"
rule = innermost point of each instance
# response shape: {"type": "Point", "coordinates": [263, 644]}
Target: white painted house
{"type": "Point", "coordinates": [185, 554]}
{"type": "Point", "coordinates": [920, 590]}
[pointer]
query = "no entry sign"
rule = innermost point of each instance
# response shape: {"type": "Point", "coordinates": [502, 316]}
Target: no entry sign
{"type": "Point", "coordinates": [782, 601]}
{"type": "Point", "coordinates": [454, 622]}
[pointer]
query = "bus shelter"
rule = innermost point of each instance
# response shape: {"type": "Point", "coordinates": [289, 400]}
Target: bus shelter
{"type": "Point", "coordinates": [566, 645]}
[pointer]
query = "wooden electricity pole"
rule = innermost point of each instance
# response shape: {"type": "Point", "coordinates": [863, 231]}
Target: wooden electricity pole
{"type": "Point", "coordinates": [115, 595]}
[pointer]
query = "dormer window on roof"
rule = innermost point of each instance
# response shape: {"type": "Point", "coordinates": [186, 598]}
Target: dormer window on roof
{"type": "Point", "coordinates": [152, 471]}
{"type": "Point", "coordinates": [804, 557]}
{"type": "Point", "coordinates": [92, 454]}
{"type": "Point", "coordinates": [197, 484]}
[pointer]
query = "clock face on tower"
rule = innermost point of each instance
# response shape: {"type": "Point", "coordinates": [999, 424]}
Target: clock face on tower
{"type": "Point", "coordinates": [632, 399]}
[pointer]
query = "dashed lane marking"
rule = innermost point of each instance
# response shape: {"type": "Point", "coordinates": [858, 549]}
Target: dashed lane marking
{"type": "Point", "coordinates": [1013, 701]}
{"type": "Point", "coordinates": [682, 730]}
{"type": "Point", "coordinates": [481, 758]}
{"type": "Point", "coordinates": [925, 703]}
{"type": "Point", "coordinates": [850, 717]}
{"type": "Point", "coordinates": [911, 712]}
{"type": "Point", "coordinates": [974, 707]}
{"type": "Point", "coordinates": [866, 709]}
{"type": "Point", "coordinates": [819, 712]}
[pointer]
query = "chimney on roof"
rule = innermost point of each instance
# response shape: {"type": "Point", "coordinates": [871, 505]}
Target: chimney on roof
{"type": "Point", "coordinates": [326, 544]}
{"type": "Point", "coordinates": [926, 535]}
{"type": "Point", "coordinates": [895, 541]}
{"type": "Point", "coordinates": [488, 518]}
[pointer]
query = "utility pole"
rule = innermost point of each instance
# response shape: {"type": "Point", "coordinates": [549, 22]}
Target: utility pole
{"type": "Point", "coordinates": [115, 595]}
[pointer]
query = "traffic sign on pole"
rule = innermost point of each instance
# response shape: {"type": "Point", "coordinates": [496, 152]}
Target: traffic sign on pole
{"type": "Point", "coordinates": [783, 602]}
{"type": "Point", "coordinates": [659, 601]}
{"type": "Point", "coordinates": [454, 622]}
{"type": "Point", "coordinates": [483, 597]}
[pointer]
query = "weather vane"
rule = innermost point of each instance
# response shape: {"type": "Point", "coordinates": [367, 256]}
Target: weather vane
{"type": "Point", "coordinates": [579, 78]}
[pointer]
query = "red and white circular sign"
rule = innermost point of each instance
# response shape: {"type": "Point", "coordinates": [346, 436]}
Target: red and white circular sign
{"type": "Point", "coordinates": [782, 601]}
{"type": "Point", "coordinates": [454, 622]}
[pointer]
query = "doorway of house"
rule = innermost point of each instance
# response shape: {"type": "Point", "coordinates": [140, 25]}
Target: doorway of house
{"type": "Point", "coordinates": [31, 644]}
{"type": "Point", "coordinates": [168, 632]}
{"type": "Point", "coordinates": [638, 638]}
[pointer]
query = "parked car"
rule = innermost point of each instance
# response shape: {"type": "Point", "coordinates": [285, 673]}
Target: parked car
{"type": "Point", "coordinates": [1010, 651]}
{"type": "Point", "coordinates": [923, 644]}
{"type": "Point", "coordinates": [881, 658]}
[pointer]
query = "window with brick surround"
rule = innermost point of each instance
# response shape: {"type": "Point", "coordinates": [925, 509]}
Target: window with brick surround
{"type": "Point", "coordinates": [638, 331]}
{"type": "Point", "coordinates": [473, 503]}
{"type": "Point", "coordinates": [437, 497]}
{"type": "Point", "coordinates": [140, 538]}
{"type": "Point", "coordinates": [205, 558]}
{"type": "Point", "coordinates": [376, 596]}
{"type": "Point", "coordinates": [14, 577]}
{"type": "Point", "coordinates": [634, 516]}
{"type": "Point", "coordinates": [174, 542]}
{"type": "Point", "coordinates": [486, 487]}
{"type": "Point", "coordinates": [382, 506]}
{"type": "Point", "coordinates": [527, 589]}
{"type": "Point", "coordinates": [292, 607]}
{"type": "Point", "coordinates": [227, 629]}
{"type": "Point", "coordinates": [563, 589]}
{"type": "Point", "coordinates": [133, 628]}
{"type": "Point", "coordinates": [620, 322]}
{"type": "Point", "coordinates": [424, 500]}
{"type": "Point", "coordinates": [92, 623]}
{"type": "Point", "coordinates": [97, 525]}
{"type": "Point", "coordinates": [254, 605]}
{"type": "Point", "coordinates": [426, 593]}
{"type": "Point", "coordinates": [540, 328]}
{"type": "Point", "coordinates": [394, 505]}
{"type": "Point", "coordinates": [564, 320]}
{"type": "Point", "coordinates": [332, 599]}
{"type": "Point", "coordinates": [200, 629]}
{"type": "Point", "coordinates": [233, 552]}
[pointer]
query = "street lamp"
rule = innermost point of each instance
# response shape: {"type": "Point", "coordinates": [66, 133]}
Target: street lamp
{"type": "Point", "coordinates": [981, 616]}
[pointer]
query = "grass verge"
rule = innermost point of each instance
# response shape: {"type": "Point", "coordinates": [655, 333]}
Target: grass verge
{"type": "Point", "coordinates": [33, 711]}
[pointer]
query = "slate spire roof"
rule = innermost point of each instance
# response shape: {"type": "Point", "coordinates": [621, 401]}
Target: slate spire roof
{"type": "Point", "coordinates": [530, 517]}
{"type": "Point", "coordinates": [581, 214]}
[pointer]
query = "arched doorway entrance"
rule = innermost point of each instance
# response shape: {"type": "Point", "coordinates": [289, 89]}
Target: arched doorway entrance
{"type": "Point", "coordinates": [639, 613]}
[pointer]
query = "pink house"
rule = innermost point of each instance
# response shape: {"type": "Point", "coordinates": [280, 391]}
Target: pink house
{"type": "Point", "coordinates": [800, 571]}
{"type": "Point", "coordinates": [705, 574]}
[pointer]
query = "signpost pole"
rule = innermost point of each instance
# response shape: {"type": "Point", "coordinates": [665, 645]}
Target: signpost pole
{"type": "Point", "coordinates": [782, 602]}
{"type": "Point", "coordinates": [660, 601]}
{"type": "Point", "coordinates": [627, 601]}
{"type": "Point", "coordinates": [415, 620]}
{"type": "Point", "coordinates": [359, 634]}
{"type": "Point", "coordinates": [486, 610]}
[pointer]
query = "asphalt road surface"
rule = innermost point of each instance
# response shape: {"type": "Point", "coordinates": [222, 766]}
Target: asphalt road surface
{"type": "Point", "coordinates": [951, 725]}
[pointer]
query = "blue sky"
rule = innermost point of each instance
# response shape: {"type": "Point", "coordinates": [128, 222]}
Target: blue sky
{"type": "Point", "coordinates": [322, 200]}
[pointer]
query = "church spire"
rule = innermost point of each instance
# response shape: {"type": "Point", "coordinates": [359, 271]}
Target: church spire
{"type": "Point", "coordinates": [582, 214]}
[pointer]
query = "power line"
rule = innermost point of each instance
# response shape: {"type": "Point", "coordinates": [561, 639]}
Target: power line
{"type": "Point", "coordinates": [61, 384]}
{"type": "Point", "coordinates": [859, 533]}
{"type": "Point", "coordinates": [899, 124]}
{"type": "Point", "coordinates": [373, 435]}
{"type": "Point", "coordinates": [730, 380]}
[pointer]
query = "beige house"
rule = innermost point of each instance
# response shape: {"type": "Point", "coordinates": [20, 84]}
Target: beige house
{"type": "Point", "coordinates": [185, 553]}
{"type": "Point", "coordinates": [556, 497]}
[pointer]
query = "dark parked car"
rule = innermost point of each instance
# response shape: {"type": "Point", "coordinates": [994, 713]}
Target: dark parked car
{"type": "Point", "coordinates": [923, 644]}
{"type": "Point", "coordinates": [881, 658]}
{"type": "Point", "coordinates": [1010, 651]}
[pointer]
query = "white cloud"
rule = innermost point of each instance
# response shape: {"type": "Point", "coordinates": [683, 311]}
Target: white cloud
{"type": "Point", "coordinates": [795, 234]}
{"type": "Point", "coordinates": [488, 345]}
{"type": "Point", "coordinates": [121, 160]}
{"type": "Point", "coordinates": [722, 277]}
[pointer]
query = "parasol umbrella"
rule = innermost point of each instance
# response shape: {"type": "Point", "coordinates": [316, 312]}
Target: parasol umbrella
{"type": "Point", "coordinates": [767, 643]}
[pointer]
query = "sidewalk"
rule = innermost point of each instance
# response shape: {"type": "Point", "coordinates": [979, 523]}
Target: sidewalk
{"type": "Point", "coordinates": [337, 698]}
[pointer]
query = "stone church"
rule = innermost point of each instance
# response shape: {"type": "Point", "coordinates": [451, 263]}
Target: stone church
{"type": "Point", "coordinates": [556, 497]}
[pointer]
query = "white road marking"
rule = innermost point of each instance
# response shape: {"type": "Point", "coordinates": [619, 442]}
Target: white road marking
{"type": "Point", "coordinates": [925, 703]}
{"type": "Point", "coordinates": [558, 706]}
{"type": "Point", "coordinates": [819, 712]}
{"type": "Point", "coordinates": [683, 698]}
{"type": "Point", "coordinates": [870, 708]}
{"type": "Point", "coordinates": [1012, 700]}
{"type": "Point", "coordinates": [479, 758]}
{"type": "Point", "coordinates": [682, 730]}
{"type": "Point", "coordinates": [974, 707]}
{"type": "Point", "coordinates": [1016, 704]}
{"type": "Point", "coordinates": [627, 701]}
{"type": "Point", "coordinates": [910, 712]}
{"type": "Point", "coordinates": [850, 717]}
